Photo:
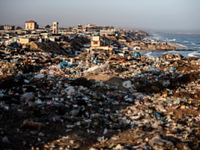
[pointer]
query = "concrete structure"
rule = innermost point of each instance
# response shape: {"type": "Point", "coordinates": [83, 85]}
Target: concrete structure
{"type": "Point", "coordinates": [110, 32]}
{"type": "Point", "coordinates": [80, 27]}
{"type": "Point", "coordinates": [96, 48]}
{"type": "Point", "coordinates": [24, 40]}
{"type": "Point", "coordinates": [55, 27]}
{"type": "Point", "coordinates": [95, 42]}
{"type": "Point", "coordinates": [90, 25]}
{"type": "Point", "coordinates": [31, 25]}
{"type": "Point", "coordinates": [106, 48]}
{"type": "Point", "coordinates": [7, 27]}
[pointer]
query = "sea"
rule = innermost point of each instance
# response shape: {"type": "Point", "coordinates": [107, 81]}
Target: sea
{"type": "Point", "coordinates": [190, 42]}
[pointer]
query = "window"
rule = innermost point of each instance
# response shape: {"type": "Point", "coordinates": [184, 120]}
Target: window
{"type": "Point", "coordinates": [95, 42]}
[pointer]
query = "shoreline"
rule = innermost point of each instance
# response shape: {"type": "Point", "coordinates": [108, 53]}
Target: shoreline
{"type": "Point", "coordinates": [175, 45]}
{"type": "Point", "coordinates": [146, 51]}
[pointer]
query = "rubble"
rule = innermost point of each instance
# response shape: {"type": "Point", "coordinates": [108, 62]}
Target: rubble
{"type": "Point", "coordinates": [49, 102]}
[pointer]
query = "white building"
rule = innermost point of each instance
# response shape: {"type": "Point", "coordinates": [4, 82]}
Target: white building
{"type": "Point", "coordinates": [55, 27]}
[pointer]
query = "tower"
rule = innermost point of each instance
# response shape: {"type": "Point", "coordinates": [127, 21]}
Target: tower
{"type": "Point", "coordinates": [55, 27]}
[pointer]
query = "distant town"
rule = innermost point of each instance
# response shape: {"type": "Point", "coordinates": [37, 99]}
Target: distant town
{"type": "Point", "coordinates": [93, 38]}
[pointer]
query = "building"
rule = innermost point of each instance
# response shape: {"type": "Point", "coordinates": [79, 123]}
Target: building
{"type": "Point", "coordinates": [24, 40]}
{"type": "Point", "coordinates": [80, 27]}
{"type": "Point", "coordinates": [96, 48]}
{"type": "Point", "coordinates": [95, 42]}
{"type": "Point", "coordinates": [89, 27]}
{"type": "Point", "coordinates": [55, 27]}
{"type": "Point", "coordinates": [7, 27]}
{"type": "Point", "coordinates": [110, 32]}
{"type": "Point", "coordinates": [31, 25]}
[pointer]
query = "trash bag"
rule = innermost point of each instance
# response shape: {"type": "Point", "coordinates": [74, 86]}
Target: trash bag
{"type": "Point", "coordinates": [15, 44]}
{"type": "Point", "coordinates": [127, 84]}
{"type": "Point", "coordinates": [158, 116]}
{"type": "Point", "coordinates": [136, 55]}
{"type": "Point", "coordinates": [173, 69]}
{"type": "Point", "coordinates": [65, 65]}
{"type": "Point", "coordinates": [28, 97]}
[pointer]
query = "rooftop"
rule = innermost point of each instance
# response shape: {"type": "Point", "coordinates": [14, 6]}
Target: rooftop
{"type": "Point", "coordinates": [31, 21]}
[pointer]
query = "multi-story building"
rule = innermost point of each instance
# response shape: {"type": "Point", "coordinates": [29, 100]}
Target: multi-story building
{"type": "Point", "coordinates": [95, 42]}
{"type": "Point", "coordinates": [55, 27]}
{"type": "Point", "coordinates": [31, 25]}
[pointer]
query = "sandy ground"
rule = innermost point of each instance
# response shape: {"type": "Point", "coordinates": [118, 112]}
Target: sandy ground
{"type": "Point", "coordinates": [99, 77]}
{"type": "Point", "coordinates": [177, 46]}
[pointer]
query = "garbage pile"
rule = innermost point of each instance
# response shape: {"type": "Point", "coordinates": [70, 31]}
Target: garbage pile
{"type": "Point", "coordinates": [145, 103]}
{"type": "Point", "coordinates": [50, 47]}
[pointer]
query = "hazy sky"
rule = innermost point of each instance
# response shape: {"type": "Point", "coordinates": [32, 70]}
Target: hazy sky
{"type": "Point", "coordinates": [157, 15]}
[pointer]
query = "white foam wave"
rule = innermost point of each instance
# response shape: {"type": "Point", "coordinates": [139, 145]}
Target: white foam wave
{"type": "Point", "coordinates": [172, 52]}
{"type": "Point", "coordinates": [172, 40]}
{"type": "Point", "coordinates": [148, 54]}
{"type": "Point", "coordinates": [194, 54]}
{"type": "Point", "coordinates": [185, 41]}
{"type": "Point", "coordinates": [156, 37]}
{"type": "Point", "coordinates": [181, 45]}
{"type": "Point", "coordinates": [193, 44]}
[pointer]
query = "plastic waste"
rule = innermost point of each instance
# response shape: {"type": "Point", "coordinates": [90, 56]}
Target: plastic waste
{"type": "Point", "coordinates": [136, 55]}
{"type": "Point", "coordinates": [158, 140]}
{"type": "Point", "coordinates": [158, 116]}
{"type": "Point", "coordinates": [28, 97]}
{"type": "Point", "coordinates": [127, 84]}
{"type": "Point", "coordinates": [65, 65]}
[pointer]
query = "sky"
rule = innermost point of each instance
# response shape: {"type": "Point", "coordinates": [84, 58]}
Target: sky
{"type": "Point", "coordinates": [149, 15]}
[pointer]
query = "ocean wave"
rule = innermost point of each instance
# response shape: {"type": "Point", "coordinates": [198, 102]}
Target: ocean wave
{"type": "Point", "coordinates": [172, 40]}
{"type": "Point", "coordinates": [185, 41]}
{"type": "Point", "coordinates": [181, 45]}
{"type": "Point", "coordinates": [169, 40]}
{"type": "Point", "coordinates": [148, 54]}
{"type": "Point", "coordinates": [172, 52]}
{"type": "Point", "coordinates": [194, 54]}
{"type": "Point", "coordinates": [156, 37]}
